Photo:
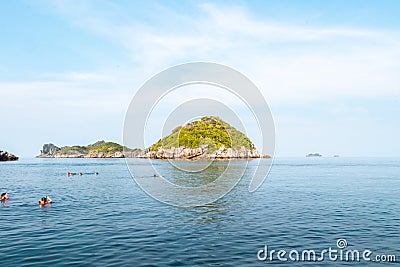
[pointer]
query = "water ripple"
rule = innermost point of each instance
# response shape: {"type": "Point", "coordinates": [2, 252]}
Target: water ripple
{"type": "Point", "coordinates": [106, 220]}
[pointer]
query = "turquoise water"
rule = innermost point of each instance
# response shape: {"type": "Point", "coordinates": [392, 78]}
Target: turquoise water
{"type": "Point", "coordinates": [106, 220]}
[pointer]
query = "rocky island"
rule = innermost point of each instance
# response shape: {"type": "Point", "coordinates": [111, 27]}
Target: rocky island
{"type": "Point", "coordinates": [313, 155]}
{"type": "Point", "coordinates": [100, 149]}
{"type": "Point", "coordinates": [207, 138]}
{"type": "Point", "coordinates": [5, 156]}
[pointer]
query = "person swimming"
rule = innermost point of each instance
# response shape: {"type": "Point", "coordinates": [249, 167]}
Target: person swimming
{"type": "Point", "coordinates": [81, 173]}
{"type": "Point", "coordinates": [45, 200]}
{"type": "Point", "coordinates": [4, 196]}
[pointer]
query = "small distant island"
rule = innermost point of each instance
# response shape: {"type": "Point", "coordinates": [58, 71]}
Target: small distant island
{"type": "Point", "coordinates": [6, 156]}
{"type": "Point", "coordinates": [206, 138]}
{"type": "Point", "coordinates": [311, 155]}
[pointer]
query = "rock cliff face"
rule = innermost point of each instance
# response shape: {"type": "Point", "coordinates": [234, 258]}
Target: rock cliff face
{"type": "Point", "coordinates": [5, 156]}
{"type": "Point", "coordinates": [94, 154]}
{"type": "Point", "coordinates": [69, 154]}
{"type": "Point", "coordinates": [200, 153]}
{"type": "Point", "coordinates": [48, 151]}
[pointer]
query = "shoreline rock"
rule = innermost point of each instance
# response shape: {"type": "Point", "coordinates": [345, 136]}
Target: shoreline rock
{"type": "Point", "coordinates": [52, 151]}
{"type": "Point", "coordinates": [207, 138]}
{"type": "Point", "coordinates": [201, 153]}
{"type": "Point", "coordinates": [5, 156]}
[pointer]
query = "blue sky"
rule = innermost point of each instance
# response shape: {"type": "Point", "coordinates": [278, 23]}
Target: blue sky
{"type": "Point", "coordinates": [329, 69]}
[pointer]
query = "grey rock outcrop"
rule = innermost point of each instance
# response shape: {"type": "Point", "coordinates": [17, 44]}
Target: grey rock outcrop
{"type": "Point", "coordinates": [132, 154]}
{"type": "Point", "coordinates": [49, 151]}
{"type": "Point", "coordinates": [96, 154]}
{"type": "Point", "coordinates": [69, 154]}
{"type": "Point", "coordinates": [200, 153]}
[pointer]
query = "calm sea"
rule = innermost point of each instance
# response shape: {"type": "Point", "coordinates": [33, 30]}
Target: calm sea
{"type": "Point", "coordinates": [106, 220]}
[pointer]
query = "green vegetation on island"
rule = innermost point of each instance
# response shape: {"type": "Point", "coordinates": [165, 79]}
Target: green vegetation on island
{"type": "Point", "coordinates": [97, 150]}
{"type": "Point", "coordinates": [67, 150]}
{"type": "Point", "coordinates": [207, 138]}
{"type": "Point", "coordinates": [211, 131]}
{"type": "Point", "coordinates": [99, 147]}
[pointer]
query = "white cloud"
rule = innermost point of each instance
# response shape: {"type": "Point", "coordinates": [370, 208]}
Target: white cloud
{"type": "Point", "coordinates": [288, 62]}
{"type": "Point", "coordinates": [240, 22]}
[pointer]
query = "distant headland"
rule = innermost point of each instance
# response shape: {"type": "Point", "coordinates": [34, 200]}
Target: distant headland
{"type": "Point", "coordinates": [100, 149]}
{"type": "Point", "coordinates": [6, 156]}
{"type": "Point", "coordinates": [206, 138]}
{"type": "Point", "coordinates": [311, 155]}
